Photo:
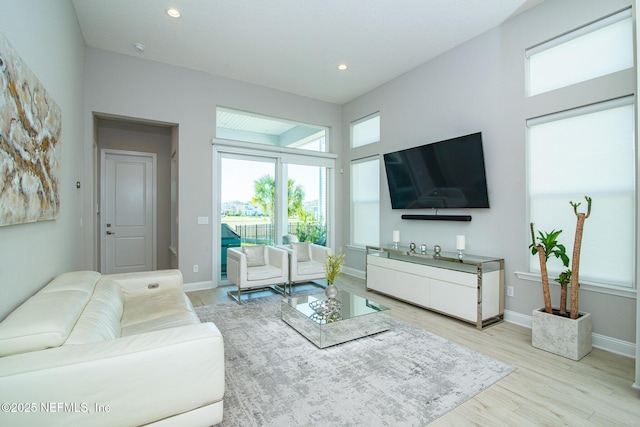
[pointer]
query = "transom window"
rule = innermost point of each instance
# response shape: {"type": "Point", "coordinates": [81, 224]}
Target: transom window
{"type": "Point", "coordinates": [597, 49]}
{"type": "Point", "coordinates": [250, 127]}
{"type": "Point", "coordinates": [365, 130]}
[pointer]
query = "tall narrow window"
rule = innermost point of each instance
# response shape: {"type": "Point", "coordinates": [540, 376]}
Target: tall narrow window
{"type": "Point", "coordinates": [595, 50]}
{"type": "Point", "coordinates": [365, 202]}
{"type": "Point", "coordinates": [365, 131]}
{"type": "Point", "coordinates": [587, 151]}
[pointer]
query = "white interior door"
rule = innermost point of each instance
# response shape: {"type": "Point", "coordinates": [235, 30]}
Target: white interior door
{"type": "Point", "coordinates": [128, 212]}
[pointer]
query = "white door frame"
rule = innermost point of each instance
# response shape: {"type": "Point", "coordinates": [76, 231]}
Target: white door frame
{"type": "Point", "coordinates": [102, 223]}
{"type": "Point", "coordinates": [223, 148]}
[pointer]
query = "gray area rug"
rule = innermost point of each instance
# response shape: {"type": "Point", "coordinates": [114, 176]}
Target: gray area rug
{"type": "Point", "coordinates": [402, 377]}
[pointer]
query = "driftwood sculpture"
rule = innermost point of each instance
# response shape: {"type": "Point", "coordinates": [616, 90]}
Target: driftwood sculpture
{"type": "Point", "coordinates": [575, 261]}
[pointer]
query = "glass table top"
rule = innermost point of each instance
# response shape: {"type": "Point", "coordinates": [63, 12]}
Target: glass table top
{"type": "Point", "coordinates": [351, 306]}
{"type": "Point", "coordinates": [327, 322]}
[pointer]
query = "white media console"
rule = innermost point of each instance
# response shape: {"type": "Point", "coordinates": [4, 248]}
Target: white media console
{"type": "Point", "coordinates": [471, 289]}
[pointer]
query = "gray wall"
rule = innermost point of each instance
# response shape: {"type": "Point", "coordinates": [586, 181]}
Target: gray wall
{"type": "Point", "coordinates": [47, 37]}
{"type": "Point", "coordinates": [480, 86]}
{"type": "Point", "coordinates": [166, 94]}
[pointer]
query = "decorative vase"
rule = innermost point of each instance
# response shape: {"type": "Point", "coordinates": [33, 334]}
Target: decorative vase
{"type": "Point", "coordinates": [570, 338]}
{"type": "Point", "coordinates": [331, 291]}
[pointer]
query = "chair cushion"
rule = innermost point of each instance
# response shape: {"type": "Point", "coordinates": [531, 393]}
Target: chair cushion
{"type": "Point", "coordinates": [263, 272]}
{"type": "Point", "coordinates": [310, 267]}
{"type": "Point", "coordinates": [302, 251]}
{"type": "Point", "coordinates": [255, 255]}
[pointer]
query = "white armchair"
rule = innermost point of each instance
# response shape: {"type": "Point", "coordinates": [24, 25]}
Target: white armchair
{"type": "Point", "coordinates": [254, 267]}
{"type": "Point", "coordinates": [306, 262]}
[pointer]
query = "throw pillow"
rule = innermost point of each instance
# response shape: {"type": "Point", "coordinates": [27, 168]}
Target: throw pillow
{"type": "Point", "coordinates": [290, 238]}
{"type": "Point", "coordinates": [255, 255]}
{"type": "Point", "coordinates": [302, 250]}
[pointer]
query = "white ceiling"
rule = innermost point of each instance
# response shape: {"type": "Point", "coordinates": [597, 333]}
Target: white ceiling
{"type": "Point", "coordinates": [293, 45]}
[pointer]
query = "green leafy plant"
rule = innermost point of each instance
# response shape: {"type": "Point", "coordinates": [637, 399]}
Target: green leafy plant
{"type": "Point", "coordinates": [310, 230]}
{"type": "Point", "coordinates": [332, 266]}
{"type": "Point", "coordinates": [547, 245]}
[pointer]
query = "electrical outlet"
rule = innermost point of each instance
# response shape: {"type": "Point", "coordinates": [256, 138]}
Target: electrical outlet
{"type": "Point", "coordinates": [195, 268]}
{"type": "Point", "coordinates": [509, 291]}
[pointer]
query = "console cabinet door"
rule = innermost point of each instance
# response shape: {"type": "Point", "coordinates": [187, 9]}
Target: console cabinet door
{"type": "Point", "coordinates": [455, 299]}
{"type": "Point", "coordinates": [397, 283]}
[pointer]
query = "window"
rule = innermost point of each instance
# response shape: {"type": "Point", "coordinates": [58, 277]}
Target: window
{"type": "Point", "coordinates": [587, 151]}
{"type": "Point", "coordinates": [249, 127]}
{"type": "Point", "coordinates": [595, 50]}
{"type": "Point", "coordinates": [365, 131]}
{"type": "Point", "coordinates": [365, 201]}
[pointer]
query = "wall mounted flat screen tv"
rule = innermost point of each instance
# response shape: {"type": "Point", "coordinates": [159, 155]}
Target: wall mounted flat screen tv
{"type": "Point", "coordinates": [441, 175]}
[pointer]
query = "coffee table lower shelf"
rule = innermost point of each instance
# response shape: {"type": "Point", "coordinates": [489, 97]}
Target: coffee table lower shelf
{"type": "Point", "coordinates": [358, 317]}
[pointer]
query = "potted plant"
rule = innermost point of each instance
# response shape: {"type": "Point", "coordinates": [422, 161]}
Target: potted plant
{"type": "Point", "coordinates": [332, 266]}
{"type": "Point", "coordinates": [555, 330]}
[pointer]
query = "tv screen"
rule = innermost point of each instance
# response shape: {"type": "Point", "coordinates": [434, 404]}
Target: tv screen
{"type": "Point", "coordinates": [445, 174]}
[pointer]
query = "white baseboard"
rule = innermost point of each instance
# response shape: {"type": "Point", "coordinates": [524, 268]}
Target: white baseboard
{"type": "Point", "coordinates": [517, 318]}
{"type": "Point", "coordinates": [198, 286]}
{"type": "Point", "coordinates": [354, 272]}
{"type": "Point", "coordinates": [602, 342]}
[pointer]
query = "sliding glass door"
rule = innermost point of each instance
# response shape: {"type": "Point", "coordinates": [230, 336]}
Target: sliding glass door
{"type": "Point", "coordinates": [247, 203]}
{"type": "Point", "coordinates": [306, 213]}
{"type": "Point", "coordinates": [265, 197]}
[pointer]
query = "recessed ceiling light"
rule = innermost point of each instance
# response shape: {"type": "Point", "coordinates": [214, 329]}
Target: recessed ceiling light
{"type": "Point", "coordinates": [173, 12]}
{"type": "Point", "coordinates": [139, 47]}
{"type": "Point", "coordinates": [342, 67]}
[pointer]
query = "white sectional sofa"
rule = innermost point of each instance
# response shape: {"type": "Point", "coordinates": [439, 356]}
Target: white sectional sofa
{"type": "Point", "coordinates": [113, 350]}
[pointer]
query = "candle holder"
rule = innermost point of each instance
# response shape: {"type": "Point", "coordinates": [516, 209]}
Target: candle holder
{"type": "Point", "coordinates": [396, 239]}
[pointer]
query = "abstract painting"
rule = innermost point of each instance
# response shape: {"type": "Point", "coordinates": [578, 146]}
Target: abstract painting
{"type": "Point", "coordinates": [30, 129]}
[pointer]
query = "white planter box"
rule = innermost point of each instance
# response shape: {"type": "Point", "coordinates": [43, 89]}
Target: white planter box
{"type": "Point", "coordinates": [561, 335]}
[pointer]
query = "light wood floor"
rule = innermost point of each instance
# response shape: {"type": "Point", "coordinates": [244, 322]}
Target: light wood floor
{"type": "Point", "coordinates": [545, 390]}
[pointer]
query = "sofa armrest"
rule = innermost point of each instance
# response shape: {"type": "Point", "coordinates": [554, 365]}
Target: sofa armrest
{"type": "Point", "coordinates": [133, 380]}
{"type": "Point", "coordinates": [133, 284]}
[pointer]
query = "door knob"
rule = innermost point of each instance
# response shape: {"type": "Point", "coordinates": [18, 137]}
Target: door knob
{"type": "Point", "coordinates": [111, 232]}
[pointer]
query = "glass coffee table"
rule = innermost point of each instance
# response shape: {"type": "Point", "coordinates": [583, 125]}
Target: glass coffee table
{"type": "Point", "coordinates": [326, 325]}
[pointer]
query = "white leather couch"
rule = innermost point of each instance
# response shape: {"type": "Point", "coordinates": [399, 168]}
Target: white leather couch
{"type": "Point", "coordinates": [113, 350]}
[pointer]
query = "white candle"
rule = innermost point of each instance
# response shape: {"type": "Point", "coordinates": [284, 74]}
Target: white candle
{"type": "Point", "coordinates": [460, 242]}
{"type": "Point", "coordinates": [396, 236]}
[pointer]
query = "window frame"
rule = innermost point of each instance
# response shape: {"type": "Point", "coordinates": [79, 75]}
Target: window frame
{"type": "Point", "coordinates": [360, 122]}
{"type": "Point", "coordinates": [352, 202]}
{"type": "Point", "coordinates": [563, 100]}
{"type": "Point", "coordinates": [569, 37]}
{"type": "Point", "coordinates": [567, 236]}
